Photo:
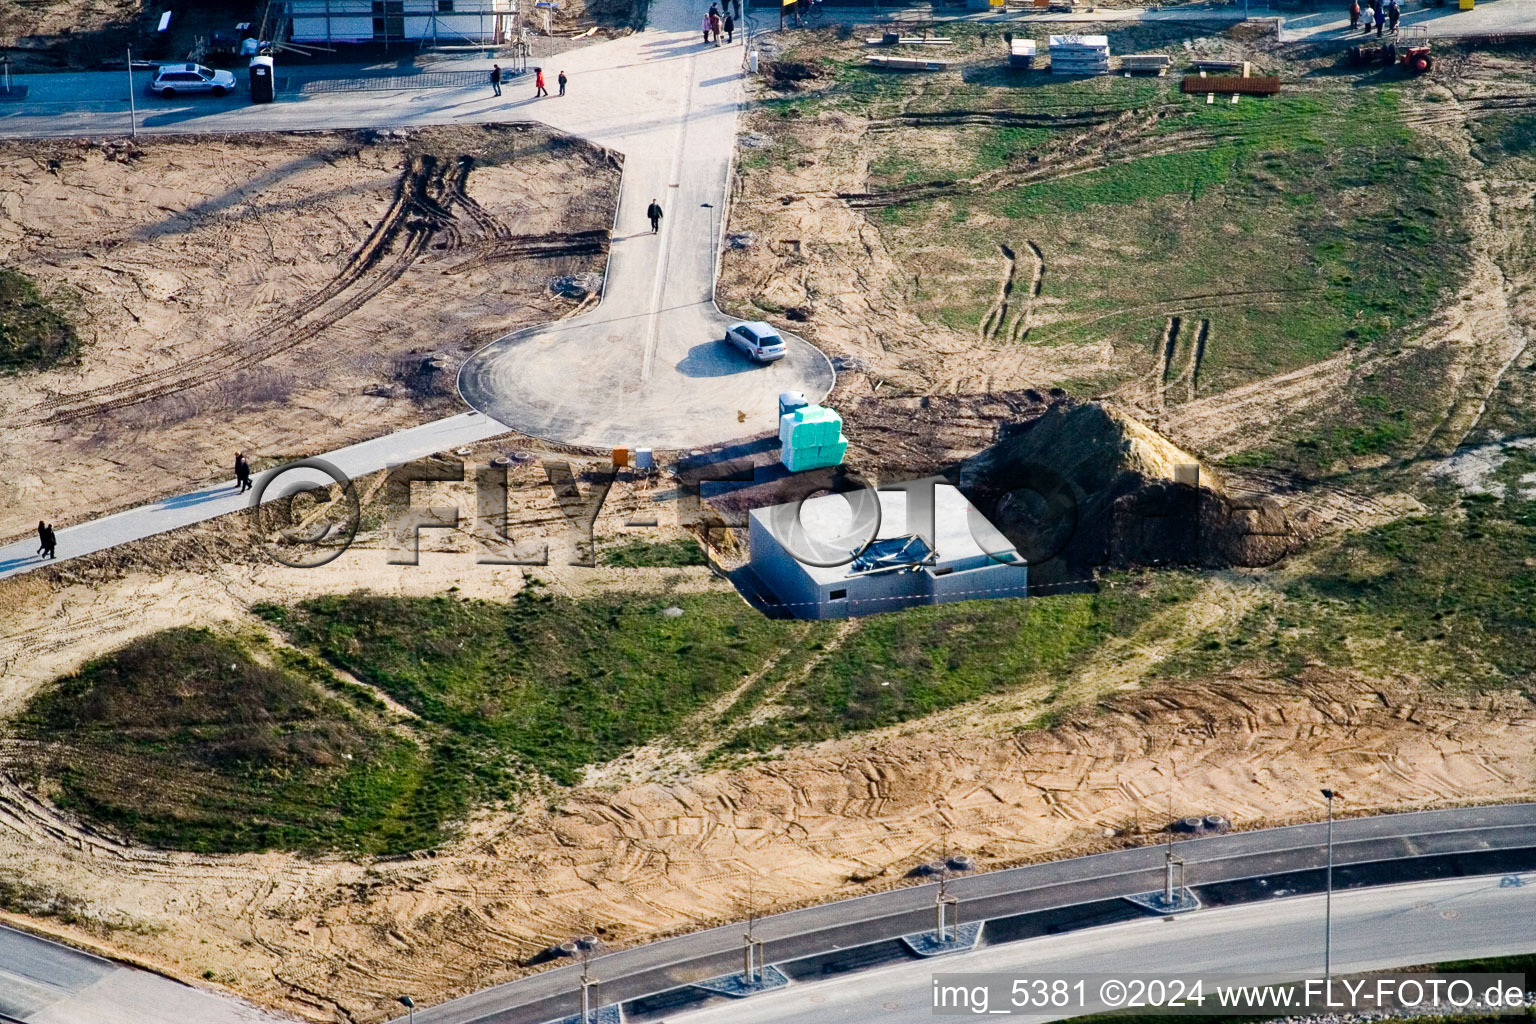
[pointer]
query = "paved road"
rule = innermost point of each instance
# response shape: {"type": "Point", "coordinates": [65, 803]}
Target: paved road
{"type": "Point", "coordinates": [44, 983]}
{"type": "Point", "coordinates": [630, 973]}
{"type": "Point", "coordinates": [1373, 929]}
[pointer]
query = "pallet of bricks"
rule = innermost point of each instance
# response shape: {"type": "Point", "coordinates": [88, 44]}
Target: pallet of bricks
{"type": "Point", "coordinates": [1079, 55]}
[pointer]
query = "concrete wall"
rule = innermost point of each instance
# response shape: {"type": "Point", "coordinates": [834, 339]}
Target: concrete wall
{"type": "Point", "coordinates": [779, 571]}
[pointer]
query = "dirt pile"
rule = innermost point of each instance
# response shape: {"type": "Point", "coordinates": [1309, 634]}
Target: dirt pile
{"type": "Point", "coordinates": [1085, 486]}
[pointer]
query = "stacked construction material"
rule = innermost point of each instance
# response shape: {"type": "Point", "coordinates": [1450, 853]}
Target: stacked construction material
{"type": "Point", "coordinates": [1021, 54]}
{"type": "Point", "coordinates": [1145, 63]}
{"type": "Point", "coordinates": [1079, 55]}
{"type": "Point", "coordinates": [811, 438]}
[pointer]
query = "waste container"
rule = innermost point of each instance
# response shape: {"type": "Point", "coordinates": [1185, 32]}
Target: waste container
{"type": "Point", "coordinates": [263, 80]}
{"type": "Point", "coordinates": [789, 401]}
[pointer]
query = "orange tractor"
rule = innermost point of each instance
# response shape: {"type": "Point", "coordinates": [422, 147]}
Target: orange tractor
{"type": "Point", "coordinates": [1414, 59]}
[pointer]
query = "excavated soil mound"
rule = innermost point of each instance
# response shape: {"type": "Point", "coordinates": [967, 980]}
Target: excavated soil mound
{"type": "Point", "coordinates": [1085, 486]}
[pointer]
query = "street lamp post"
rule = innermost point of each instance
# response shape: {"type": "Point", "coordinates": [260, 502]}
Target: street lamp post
{"type": "Point", "coordinates": [410, 1008]}
{"type": "Point", "coordinates": [133, 114]}
{"type": "Point", "coordinates": [1328, 795]}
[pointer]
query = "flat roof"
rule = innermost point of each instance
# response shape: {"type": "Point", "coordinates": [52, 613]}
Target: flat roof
{"type": "Point", "coordinates": [961, 534]}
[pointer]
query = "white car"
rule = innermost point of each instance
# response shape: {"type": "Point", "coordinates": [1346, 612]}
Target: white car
{"type": "Point", "coordinates": [757, 340]}
{"type": "Point", "coordinates": [171, 79]}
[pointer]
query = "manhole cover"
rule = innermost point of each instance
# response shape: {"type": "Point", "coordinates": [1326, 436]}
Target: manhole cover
{"type": "Point", "coordinates": [1450, 914]}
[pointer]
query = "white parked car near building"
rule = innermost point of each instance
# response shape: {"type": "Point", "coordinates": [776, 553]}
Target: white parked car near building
{"type": "Point", "coordinates": [171, 79]}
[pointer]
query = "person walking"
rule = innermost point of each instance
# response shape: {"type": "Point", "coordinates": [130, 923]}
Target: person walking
{"type": "Point", "coordinates": [1354, 15]}
{"type": "Point", "coordinates": [714, 24]}
{"type": "Point", "coordinates": [706, 27]}
{"type": "Point", "coordinates": [538, 83]}
{"type": "Point", "coordinates": [730, 28]}
{"type": "Point", "coordinates": [1381, 21]}
{"type": "Point", "coordinates": [496, 79]}
{"type": "Point", "coordinates": [654, 213]}
{"type": "Point", "coordinates": [242, 472]}
{"type": "Point", "coordinates": [50, 542]}
{"type": "Point", "coordinates": [1394, 15]}
{"type": "Point", "coordinates": [42, 536]}
{"type": "Point", "coordinates": [561, 79]}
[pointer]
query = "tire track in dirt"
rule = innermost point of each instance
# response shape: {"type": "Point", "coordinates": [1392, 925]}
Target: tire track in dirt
{"type": "Point", "coordinates": [997, 316]}
{"type": "Point", "coordinates": [1019, 330]}
{"type": "Point", "coordinates": [417, 212]}
{"type": "Point", "coordinates": [1482, 322]}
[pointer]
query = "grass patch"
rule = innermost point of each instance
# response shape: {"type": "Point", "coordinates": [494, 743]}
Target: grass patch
{"type": "Point", "coordinates": [667, 554]}
{"type": "Point", "coordinates": [34, 332]}
{"type": "Point", "coordinates": [1445, 597]}
{"type": "Point", "coordinates": [903, 666]}
{"type": "Point", "coordinates": [542, 682]}
{"type": "Point", "coordinates": [186, 739]}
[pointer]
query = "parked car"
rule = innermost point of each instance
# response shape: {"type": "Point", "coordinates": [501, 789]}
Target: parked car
{"type": "Point", "coordinates": [171, 79]}
{"type": "Point", "coordinates": [758, 341]}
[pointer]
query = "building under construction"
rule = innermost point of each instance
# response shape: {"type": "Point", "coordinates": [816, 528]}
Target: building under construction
{"type": "Point", "coordinates": [429, 22]}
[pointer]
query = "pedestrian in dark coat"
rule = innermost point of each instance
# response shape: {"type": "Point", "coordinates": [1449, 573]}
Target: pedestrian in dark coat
{"type": "Point", "coordinates": [1381, 21]}
{"type": "Point", "coordinates": [42, 536]}
{"type": "Point", "coordinates": [730, 28]}
{"type": "Point", "coordinates": [496, 79]}
{"type": "Point", "coordinates": [654, 213]}
{"type": "Point", "coordinates": [50, 541]}
{"type": "Point", "coordinates": [562, 80]}
{"type": "Point", "coordinates": [1394, 15]}
{"type": "Point", "coordinates": [242, 472]}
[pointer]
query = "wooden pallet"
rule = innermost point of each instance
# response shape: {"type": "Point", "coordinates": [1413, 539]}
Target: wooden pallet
{"type": "Point", "coordinates": [1257, 85]}
{"type": "Point", "coordinates": [907, 63]}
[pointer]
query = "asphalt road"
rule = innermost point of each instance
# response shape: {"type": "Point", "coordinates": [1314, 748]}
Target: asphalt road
{"type": "Point", "coordinates": [45, 983]}
{"type": "Point", "coordinates": [1373, 929]}
{"type": "Point", "coordinates": [631, 973]}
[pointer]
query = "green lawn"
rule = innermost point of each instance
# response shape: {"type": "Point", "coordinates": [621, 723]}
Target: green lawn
{"type": "Point", "coordinates": [196, 741]}
{"type": "Point", "coordinates": [1445, 598]}
{"type": "Point", "coordinates": [637, 553]}
{"type": "Point", "coordinates": [34, 332]}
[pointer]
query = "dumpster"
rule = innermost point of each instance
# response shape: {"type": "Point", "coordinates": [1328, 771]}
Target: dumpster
{"type": "Point", "coordinates": [263, 80]}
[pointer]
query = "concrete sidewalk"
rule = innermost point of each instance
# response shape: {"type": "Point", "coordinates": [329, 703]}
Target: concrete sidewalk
{"type": "Point", "coordinates": [223, 498]}
{"type": "Point", "coordinates": [1489, 18]}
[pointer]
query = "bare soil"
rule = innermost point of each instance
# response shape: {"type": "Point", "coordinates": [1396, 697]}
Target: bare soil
{"type": "Point", "coordinates": [276, 294]}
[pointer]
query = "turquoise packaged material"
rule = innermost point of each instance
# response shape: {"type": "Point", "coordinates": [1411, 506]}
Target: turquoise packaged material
{"type": "Point", "coordinates": [811, 437]}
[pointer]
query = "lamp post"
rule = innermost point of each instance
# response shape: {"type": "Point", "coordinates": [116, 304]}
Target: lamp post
{"type": "Point", "coordinates": [410, 1007]}
{"type": "Point", "coordinates": [133, 114]}
{"type": "Point", "coordinates": [1328, 795]}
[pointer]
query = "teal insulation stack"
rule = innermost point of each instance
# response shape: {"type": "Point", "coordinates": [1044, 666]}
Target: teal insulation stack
{"type": "Point", "coordinates": [811, 437]}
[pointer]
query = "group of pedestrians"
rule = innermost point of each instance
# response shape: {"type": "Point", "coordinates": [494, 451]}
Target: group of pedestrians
{"type": "Point", "coordinates": [47, 540]}
{"type": "Point", "coordinates": [1382, 16]}
{"type": "Point", "coordinates": [539, 89]}
{"type": "Point", "coordinates": [242, 473]}
{"type": "Point", "coordinates": [716, 22]}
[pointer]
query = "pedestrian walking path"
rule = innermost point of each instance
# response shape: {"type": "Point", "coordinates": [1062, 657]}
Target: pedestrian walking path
{"type": "Point", "coordinates": [223, 498]}
{"type": "Point", "coordinates": [1488, 18]}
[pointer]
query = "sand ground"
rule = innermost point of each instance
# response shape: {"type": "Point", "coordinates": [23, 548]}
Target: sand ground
{"type": "Point", "coordinates": [276, 294]}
